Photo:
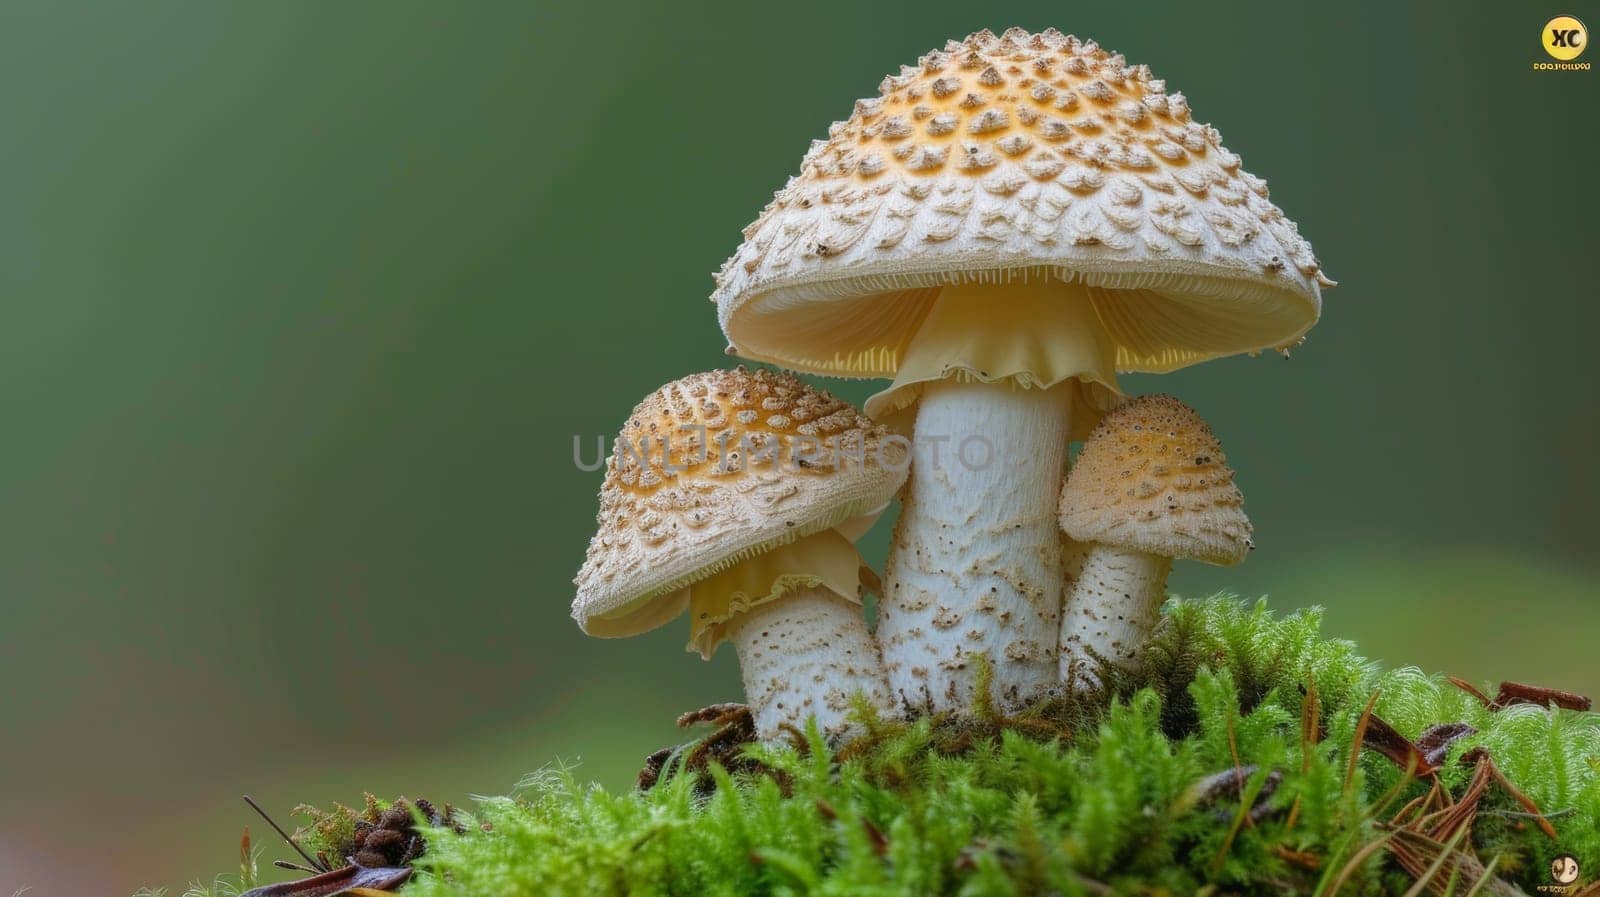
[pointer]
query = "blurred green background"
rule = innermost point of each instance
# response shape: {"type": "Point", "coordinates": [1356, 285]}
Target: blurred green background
{"type": "Point", "coordinates": [303, 304]}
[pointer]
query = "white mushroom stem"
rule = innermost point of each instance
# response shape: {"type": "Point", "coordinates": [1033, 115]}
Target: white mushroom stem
{"type": "Point", "coordinates": [806, 654]}
{"type": "Point", "coordinates": [1110, 612]}
{"type": "Point", "coordinates": [974, 569]}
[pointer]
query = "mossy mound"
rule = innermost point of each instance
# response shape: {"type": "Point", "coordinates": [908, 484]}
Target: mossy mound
{"type": "Point", "coordinates": [1229, 766]}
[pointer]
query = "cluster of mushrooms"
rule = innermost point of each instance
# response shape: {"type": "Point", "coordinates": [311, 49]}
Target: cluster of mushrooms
{"type": "Point", "coordinates": [1010, 224]}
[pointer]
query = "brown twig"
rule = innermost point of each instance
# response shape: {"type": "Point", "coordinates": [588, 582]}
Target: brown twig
{"type": "Point", "coordinates": [880, 841]}
{"type": "Point", "coordinates": [1355, 745]}
{"type": "Point", "coordinates": [1252, 806]}
{"type": "Point", "coordinates": [1238, 768]}
{"type": "Point", "coordinates": [320, 867]}
{"type": "Point", "coordinates": [716, 714]}
{"type": "Point", "coordinates": [1447, 852]}
{"type": "Point", "coordinates": [1386, 740]}
{"type": "Point", "coordinates": [1302, 859]}
{"type": "Point", "coordinates": [1461, 814]}
{"type": "Point", "coordinates": [1435, 741]}
{"type": "Point", "coordinates": [338, 881]}
{"type": "Point", "coordinates": [1471, 689]}
{"type": "Point", "coordinates": [1512, 693]}
{"type": "Point", "coordinates": [1521, 693]}
{"type": "Point", "coordinates": [1481, 755]}
{"type": "Point", "coordinates": [1310, 736]}
{"type": "Point", "coordinates": [802, 744]}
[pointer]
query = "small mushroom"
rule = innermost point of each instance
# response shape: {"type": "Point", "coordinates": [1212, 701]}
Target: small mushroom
{"type": "Point", "coordinates": [1150, 485]}
{"type": "Point", "coordinates": [1051, 216]}
{"type": "Point", "coordinates": [736, 496]}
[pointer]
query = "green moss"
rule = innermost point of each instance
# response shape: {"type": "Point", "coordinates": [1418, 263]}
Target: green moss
{"type": "Point", "coordinates": [1076, 797]}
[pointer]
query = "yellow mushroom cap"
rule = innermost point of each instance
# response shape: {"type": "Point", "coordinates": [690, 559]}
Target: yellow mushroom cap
{"type": "Point", "coordinates": [1152, 478]}
{"type": "Point", "coordinates": [718, 467]}
{"type": "Point", "coordinates": [1023, 157]}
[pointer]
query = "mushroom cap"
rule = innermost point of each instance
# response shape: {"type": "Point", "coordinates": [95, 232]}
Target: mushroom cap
{"type": "Point", "coordinates": [779, 461]}
{"type": "Point", "coordinates": [1152, 478]}
{"type": "Point", "coordinates": [1019, 157]}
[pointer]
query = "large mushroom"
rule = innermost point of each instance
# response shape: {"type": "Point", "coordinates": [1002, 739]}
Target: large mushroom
{"type": "Point", "coordinates": [1010, 223]}
{"type": "Point", "coordinates": [736, 496]}
{"type": "Point", "coordinates": [1151, 485]}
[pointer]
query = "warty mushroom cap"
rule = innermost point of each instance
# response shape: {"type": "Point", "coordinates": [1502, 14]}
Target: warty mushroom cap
{"type": "Point", "coordinates": [675, 510]}
{"type": "Point", "coordinates": [1152, 478]}
{"type": "Point", "coordinates": [1018, 158]}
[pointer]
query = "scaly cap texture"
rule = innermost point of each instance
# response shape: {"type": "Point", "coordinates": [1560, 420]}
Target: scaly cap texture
{"type": "Point", "coordinates": [1152, 478]}
{"type": "Point", "coordinates": [1021, 156]}
{"type": "Point", "coordinates": [717, 467]}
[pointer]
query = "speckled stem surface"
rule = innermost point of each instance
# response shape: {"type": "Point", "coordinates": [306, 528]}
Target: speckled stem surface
{"type": "Point", "coordinates": [1111, 610]}
{"type": "Point", "coordinates": [805, 655]}
{"type": "Point", "coordinates": [974, 568]}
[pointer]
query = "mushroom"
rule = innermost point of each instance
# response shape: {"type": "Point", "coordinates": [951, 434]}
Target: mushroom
{"type": "Point", "coordinates": [1010, 223]}
{"type": "Point", "coordinates": [736, 496]}
{"type": "Point", "coordinates": [1151, 484]}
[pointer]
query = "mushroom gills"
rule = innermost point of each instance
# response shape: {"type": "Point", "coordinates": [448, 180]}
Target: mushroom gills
{"type": "Point", "coordinates": [826, 559]}
{"type": "Point", "coordinates": [1146, 323]}
{"type": "Point", "coordinates": [1110, 612]}
{"type": "Point", "coordinates": [1029, 334]}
